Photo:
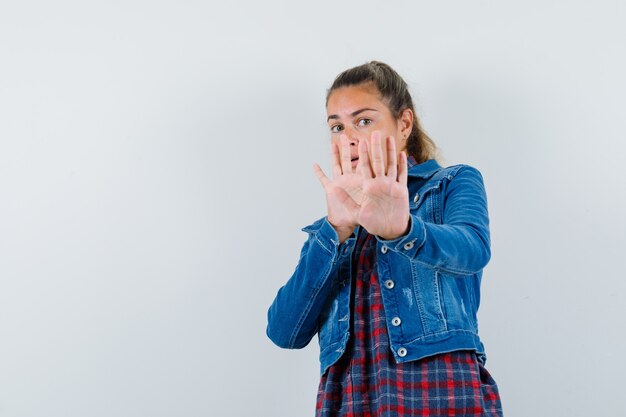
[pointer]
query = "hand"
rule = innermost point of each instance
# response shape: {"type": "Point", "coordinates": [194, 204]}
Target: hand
{"type": "Point", "coordinates": [344, 192]}
{"type": "Point", "coordinates": [384, 206]}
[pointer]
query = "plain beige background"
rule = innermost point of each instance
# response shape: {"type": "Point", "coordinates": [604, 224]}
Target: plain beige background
{"type": "Point", "coordinates": [155, 171]}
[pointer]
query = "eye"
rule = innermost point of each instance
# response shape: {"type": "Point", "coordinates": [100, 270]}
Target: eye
{"type": "Point", "coordinates": [364, 122]}
{"type": "Point", "coordinates": [336, 128]}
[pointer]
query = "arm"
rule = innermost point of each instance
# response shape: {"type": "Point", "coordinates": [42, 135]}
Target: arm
{"type": "Point", "coordinates": [292, 317]}
{"type": "Point", "coordinates": [461, 245]}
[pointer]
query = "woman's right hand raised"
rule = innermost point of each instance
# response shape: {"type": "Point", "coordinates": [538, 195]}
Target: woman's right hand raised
{"type": "Point", "coordinates": [344, 193]}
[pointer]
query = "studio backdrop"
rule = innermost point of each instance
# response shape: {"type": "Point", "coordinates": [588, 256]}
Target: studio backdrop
{"type": "Point", "coordinates": [156, 171]}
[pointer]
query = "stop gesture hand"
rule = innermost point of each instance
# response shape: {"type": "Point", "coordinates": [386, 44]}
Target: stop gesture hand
{"type": "Point", "coordinates": [384, 208]}
{"type": "Point", "coordinates": [375, 196]}
{"type": "Point", "coordinates": [344, 192]}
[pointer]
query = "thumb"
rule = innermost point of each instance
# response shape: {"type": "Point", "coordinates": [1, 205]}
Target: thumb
{"type": "Point", "coordinates": [320, 175]}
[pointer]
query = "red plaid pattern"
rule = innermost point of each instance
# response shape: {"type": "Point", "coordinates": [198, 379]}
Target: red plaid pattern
{"type": "Point", "coordinates": [367, 382]}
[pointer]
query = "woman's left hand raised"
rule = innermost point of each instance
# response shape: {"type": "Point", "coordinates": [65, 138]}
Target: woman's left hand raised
{"type": "Point", "coordinates": [384, 208]}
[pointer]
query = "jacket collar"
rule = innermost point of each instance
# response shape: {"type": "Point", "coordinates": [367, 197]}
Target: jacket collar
{"type": "Point", "coordinates": [423, 170]}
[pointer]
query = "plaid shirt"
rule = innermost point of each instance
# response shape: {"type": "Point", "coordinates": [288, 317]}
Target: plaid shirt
{"type": "Point", "coordinates": [367, 382]}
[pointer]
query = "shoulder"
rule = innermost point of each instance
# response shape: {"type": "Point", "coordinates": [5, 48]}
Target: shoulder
{"type": "Point", "coordinates": [458, 170]}
{"type": "Point", "coordinates": [461, 177]}
{"type": "Point", "coordinates": [454, 169]}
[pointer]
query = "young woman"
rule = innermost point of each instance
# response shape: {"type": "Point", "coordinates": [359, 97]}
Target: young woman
{"type": "Point", "coordinates": [390, 278]}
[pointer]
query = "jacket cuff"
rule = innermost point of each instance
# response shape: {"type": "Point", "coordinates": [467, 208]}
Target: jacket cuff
{"type": "Point", "coordinates": [410, 243]}
{"type": "Point", "coordinates": [327, 237]}
{"type": "Point", "coordinates": [324, 232]}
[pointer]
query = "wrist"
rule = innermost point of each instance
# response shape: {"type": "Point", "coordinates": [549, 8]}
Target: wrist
{"type": "Point", "coordinates": [402, 234]}
{"type": "Point", "coordinates": [343, 232]}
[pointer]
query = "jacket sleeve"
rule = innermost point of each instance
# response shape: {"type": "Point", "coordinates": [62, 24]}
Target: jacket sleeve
{"type": "Point", "coordinates": [293, 315]}
{"type": "Point", "coordinates": [461, 244]}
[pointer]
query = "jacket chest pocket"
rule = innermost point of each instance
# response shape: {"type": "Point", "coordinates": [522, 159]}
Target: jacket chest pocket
{"type": "Point", "coordinates": [425, 202]}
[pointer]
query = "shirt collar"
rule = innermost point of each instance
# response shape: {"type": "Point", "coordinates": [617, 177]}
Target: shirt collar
{"type": "Point", "coordinates": [423, 170]}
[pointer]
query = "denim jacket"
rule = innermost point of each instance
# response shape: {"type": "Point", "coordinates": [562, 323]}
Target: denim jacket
{"type": "Point", "coordinates": [429, 278]}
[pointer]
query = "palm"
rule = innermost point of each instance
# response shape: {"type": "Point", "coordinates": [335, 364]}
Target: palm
{"type": "Point", "coordinates": [385, 200]}
{"type": "Point", "coordinates": [344, 193]}
{"type": "Point", "coordinates": [340, 204]}
{"type": "Point", "coordinates": [352, 184]}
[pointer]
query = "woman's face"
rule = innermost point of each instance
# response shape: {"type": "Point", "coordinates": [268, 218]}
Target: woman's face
{"type": "Point", "coordinates": [357, 111]}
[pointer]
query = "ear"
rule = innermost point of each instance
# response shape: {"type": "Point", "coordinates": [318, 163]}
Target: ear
{"type": "Point", "coordinates": [405, 122]}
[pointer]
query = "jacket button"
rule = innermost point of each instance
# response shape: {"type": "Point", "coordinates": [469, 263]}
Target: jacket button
{"type": "Point", "coordinates": [389, 284]}
{"type": "Point", "coordinates": [417, 197]}
{"type": "Point", "coordinates": [383, 249]}
{"type": "Point", "coordinates": [408, 245]}
{"type": "Point", "coordinates": [402, 352]}
{"type": "Point", "coordinates": [396, 321]}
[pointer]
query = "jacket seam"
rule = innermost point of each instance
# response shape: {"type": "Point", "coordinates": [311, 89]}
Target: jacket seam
{"type": "Point", "coordinates": [429, 335]}
{"type": "Point", "coordinates": [318, 240]}
{"type": "Point", "coordinates": [439, 268]}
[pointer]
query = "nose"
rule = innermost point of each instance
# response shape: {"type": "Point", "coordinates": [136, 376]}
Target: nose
{"type": "Point", "coordinates": [352, 136]}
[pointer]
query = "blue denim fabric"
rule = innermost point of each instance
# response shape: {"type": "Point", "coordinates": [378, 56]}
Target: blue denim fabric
{"type": "Point", "coordinates": [430, 278]}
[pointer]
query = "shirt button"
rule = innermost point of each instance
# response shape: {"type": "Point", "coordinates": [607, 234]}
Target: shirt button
{"type": "Point", "coordinates": [402, 352]}
{"type": "Point", "coordinates": [408, 245]}
{"type": "Point", "coordinates": [396, 321]}
{"type": "Point", "coordinates": [389, 284]}
{"type": "Point", "coordinates": [417, 197]}
{"type": "Point", "coordinates": [383, 249]}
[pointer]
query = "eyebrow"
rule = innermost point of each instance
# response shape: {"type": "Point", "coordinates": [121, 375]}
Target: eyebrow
{"type": "Point", "coordinates": [334, 116]}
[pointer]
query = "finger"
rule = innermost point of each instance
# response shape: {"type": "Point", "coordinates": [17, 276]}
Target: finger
{"type": "Point", "coordinates": [335, 160]}
{"type": "Point", "coordinates": [346, 164]}
{"type": "Point", "coordinates": [392, 158]}
{"type": "Point", "coordinates": [376, 155]}
{"type": "Point", "coordinates": [321, 176]}
{"type": "Point", "coordinates": [403, 169]}
{"type": "Point", "coordinates": [363, 166]}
